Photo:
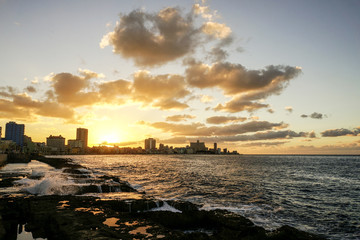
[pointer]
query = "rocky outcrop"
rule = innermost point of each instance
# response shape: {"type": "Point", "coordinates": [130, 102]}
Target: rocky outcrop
{"type": "Point", "coordinates": [134, 216]}
{"type": "Point", "coordinates": [74, 217]}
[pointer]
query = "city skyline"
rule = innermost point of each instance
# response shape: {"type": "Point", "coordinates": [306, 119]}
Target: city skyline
{"type": "Point", "coordinates": [273, 77]}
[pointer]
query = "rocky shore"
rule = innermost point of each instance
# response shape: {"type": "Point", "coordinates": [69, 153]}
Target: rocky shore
{"type": "Point", "coordinates": [134, 216]}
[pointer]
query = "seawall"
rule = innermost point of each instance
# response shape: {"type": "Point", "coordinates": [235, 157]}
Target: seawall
{"type": "Point", "coordinates": [3, 158]}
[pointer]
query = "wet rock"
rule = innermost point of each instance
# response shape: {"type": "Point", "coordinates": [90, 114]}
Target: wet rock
{"type": "Point", "coordinates": [290, 233]}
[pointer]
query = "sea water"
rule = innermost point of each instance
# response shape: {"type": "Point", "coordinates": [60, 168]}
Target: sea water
{"type": "Point", "coordinates": [318, 194]}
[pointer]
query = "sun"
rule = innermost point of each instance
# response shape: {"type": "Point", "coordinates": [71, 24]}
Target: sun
{"type": "Point", "coordinates": [110, 138]}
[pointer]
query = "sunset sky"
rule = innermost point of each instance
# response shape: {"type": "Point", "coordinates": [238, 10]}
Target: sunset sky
{"type": "Point", "coordinates": [254, 76]}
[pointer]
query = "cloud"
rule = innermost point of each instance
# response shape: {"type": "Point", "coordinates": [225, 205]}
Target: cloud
{"type": "Point", "coordinates": [260, 136]}
{"type": "Point", "coordinates": [246, 86]}
{"type": "Point", "coordinates": [340, 132]}
{"type": "Point", "coordinates": [271, 110]}
{"type": "Point", "coordinates": [153, 38]}
{"type": "Point", "coordinates": [224, 119]}
{"type": "Point", "coordinates": [263, 144]}
{"type": "Point", "coordinates": [217, 30]}
{"type": "Point", "coordinates": [206, 99]}
{"type": "Point", "coordinates": [70, 89]}
{"type": "Point", "coordinates": [9, 110]}
{"type": "Point", "coordinates": [163, 91]}
{"type": "Point", "coordinates": [115, 91]}
{"type": "Point", "coordinates": [204, 11]}
{"type": "Point", "coordinates": [217, 54]}
{"type": "Point", "coordinates": [199, 129]}
{"type": "Point", "coordinates": [239, 105]}
{"type": "Point", "coordinates": [314, 115]}
{"type": "Point", "coordinates": [270, 135]}
{"type": "Point", "coordinates": [236, 79]}
{"type": "Point", "coordinates": [312, 134]}
{"type": "Point", "coordinates": [24, 107]}
{"type": "Point", "coordinates": [289, 109]}
{"type": "Point", "coordinates": [30, 89]}
{"type": "Point", "coordinates": [179, 118]}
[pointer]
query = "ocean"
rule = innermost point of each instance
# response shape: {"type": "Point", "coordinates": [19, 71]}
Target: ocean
{"type": "Point", "coordinates": [318, 194]}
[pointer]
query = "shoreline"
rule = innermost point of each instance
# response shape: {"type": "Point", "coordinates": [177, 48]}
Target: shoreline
{"type": "Point", "coordinates": [88, 217]}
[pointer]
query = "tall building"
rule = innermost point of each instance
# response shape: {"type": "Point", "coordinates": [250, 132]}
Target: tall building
{"type": "Point", "coordinates": [150, 144]}
{"type": "Point", "coordinates": [57, 142]}
{"type": "Point", "coordinates": [0, 132]}
{"type": "Point", "coordinates": [82, 134]}
{"type": "Point", "coordinates": [15, 133]}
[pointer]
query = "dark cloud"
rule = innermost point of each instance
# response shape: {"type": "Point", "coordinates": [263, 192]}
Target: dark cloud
{"type": "Point", "coordinates": [224, 119]}
{"type": "Point", "coordinates": [153, 39]}
{"type": "Point", "coordinates": [235, 79]}
{"type": "Point", "coordinates": [30, 89]}
{"type": "Point", "coordinates": [179, 118]}
{"type": "Point", "coordinates": [314, 115]}
{"type": "Point", "coordinates": [312, 134]}
{"type": "Point", "coordinates": [238, 105]}
{"type": "Point", "coordinates": [199, 129]}
{"type": "Point", "coordinates": [246, 86]}
{"type": "Point", "coordinates": [218, 54]}
{"type": "Point", "coordinates": [263, 144]}
{"type": "Point", "coordinates": [260, 136]}
{"type": "Point", "coordinates": [340, 132]}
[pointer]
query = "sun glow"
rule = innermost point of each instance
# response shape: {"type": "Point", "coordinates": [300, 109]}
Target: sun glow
{"type": "Point", "coordinates": [110, 138]}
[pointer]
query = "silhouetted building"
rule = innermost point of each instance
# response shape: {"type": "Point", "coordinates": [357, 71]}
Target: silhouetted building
{"type": "Point", "coordinates": [215, 147]}
{"type": "Point", "coordinates": [57, 143]}
{"type": "Point", "coordinates": [15, 133]}
{"type": "Point", "coordinates": [150, 144]}
{"type": "Point", "coordinates": [198, 146]}
{"type": "Point", "coordinates": [75, 146]}
{"type": "Point", "coordinates": [0, 133]}
{"type": "Point", "coordinates": [82, 134]}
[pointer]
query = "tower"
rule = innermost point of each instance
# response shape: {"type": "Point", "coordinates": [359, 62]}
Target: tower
{"type": "Point", "coordinates": [82, 134]}
{"type": "Point", "coordinates": [150, 144]}
{"type": "Point", "coordinates": [15, 133]}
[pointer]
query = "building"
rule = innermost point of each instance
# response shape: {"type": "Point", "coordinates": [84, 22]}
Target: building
{"type": "Point", "coordinates": [75, 146]}
{"type": "Point", "coordinates": [150, 144]}
{"type": "Point", "coordinates": [215, 148]}
{"type": "Point", "coordinates": [198, 146]}
{"type": "Point", "coordinates": [15, 133]}
{"type": "Point", "coordinates": [57, 144]}
{"type": "Point", "coordinates": [0, 133]}
{"type": "Point", "coordinates": [82, 134]}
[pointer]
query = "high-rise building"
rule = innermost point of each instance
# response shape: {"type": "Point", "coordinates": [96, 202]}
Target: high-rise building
{"type": "Point", "coordinates": [82, 134]}
{"type": "Point", "coordinates": [15, 133]}
{"type": "Point", "coordinates": [150, 144]}
{"type": "Point", "coordinates": [0, 132]}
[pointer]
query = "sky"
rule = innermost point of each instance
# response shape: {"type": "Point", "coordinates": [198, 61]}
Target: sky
{"type": "Point", "coordinates": [271, 77]}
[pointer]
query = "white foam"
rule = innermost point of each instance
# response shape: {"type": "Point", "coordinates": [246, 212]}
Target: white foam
{"type": "Point", "coordinates": [52, 183]}
{"type": "Point", "coordinates": [37, 173]}
{"type": "Point", "coordinates": [165, 207]}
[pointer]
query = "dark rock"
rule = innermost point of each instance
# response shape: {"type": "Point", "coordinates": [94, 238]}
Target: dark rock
{"type": "Point", "coordinates": [290, 233]}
